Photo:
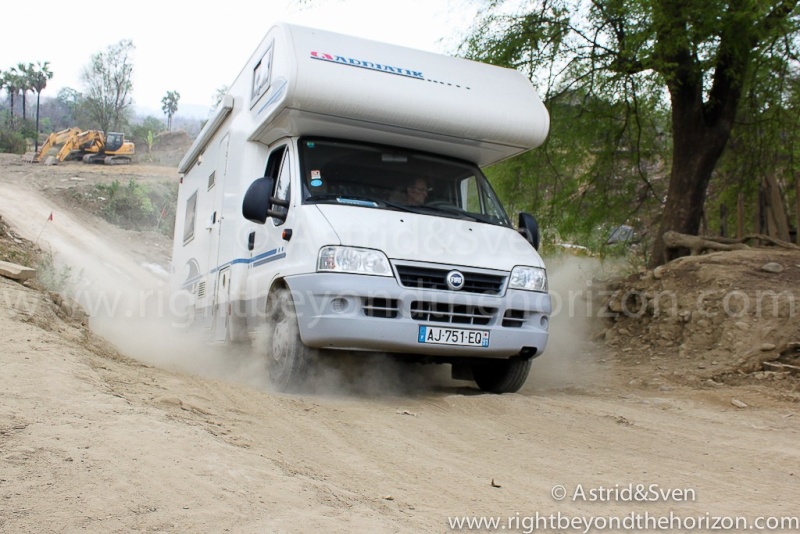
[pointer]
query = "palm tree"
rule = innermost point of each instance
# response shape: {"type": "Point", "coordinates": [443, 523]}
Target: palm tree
{"type": "Point", "coordinates": [170, 106]}
{"type": "Point", "coordinates": [12, 81]}
{"type": "Point", "coordinates": [25, 84]}
{"type": "Point", "coordinates": [39, 77]}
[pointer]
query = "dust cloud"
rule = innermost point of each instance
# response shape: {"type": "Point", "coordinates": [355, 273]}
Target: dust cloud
{"type": "Point", "coordinates": [569, 361]}
{"type": "Point", "coordinates": [146, 323]}
{"type": "Point", "coordinates": [156, 342]}
{"type": "Point", "coordinates": [130, 306]}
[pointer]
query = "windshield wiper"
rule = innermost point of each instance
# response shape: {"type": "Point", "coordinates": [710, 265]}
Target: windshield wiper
{"type": "Point", "coordinates": [455, 210]}
{"type": "Point", "coordinates": [369, 202]}
{"type": "Point", "coordinates": [358, 200]}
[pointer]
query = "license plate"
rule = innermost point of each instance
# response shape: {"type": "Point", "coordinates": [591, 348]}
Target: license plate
{"type": "Point", "coordinates": [453, 336]}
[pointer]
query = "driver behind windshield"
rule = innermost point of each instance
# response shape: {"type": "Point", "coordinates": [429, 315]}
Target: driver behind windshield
{"type": "Point", "coordinates": [417, 192]}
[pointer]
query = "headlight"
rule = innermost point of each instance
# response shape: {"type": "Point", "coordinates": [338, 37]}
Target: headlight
{"type": "Point", "coordinates": [353, 260]}
{"type": "Point", "coordinates": [528, 278]}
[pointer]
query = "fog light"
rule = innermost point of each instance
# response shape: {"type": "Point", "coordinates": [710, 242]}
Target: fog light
{"type": "Point", "coordinates": [339, 305]}
{"type": "Point", "coordinates": [545, 322]}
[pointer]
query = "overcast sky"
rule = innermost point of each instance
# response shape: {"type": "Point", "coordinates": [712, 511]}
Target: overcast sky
{"type": "Point", "coordinates": [197, 47]}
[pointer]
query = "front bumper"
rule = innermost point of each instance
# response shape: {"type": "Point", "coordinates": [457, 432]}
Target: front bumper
{"type": "Point", "coordinates": [358, 312]}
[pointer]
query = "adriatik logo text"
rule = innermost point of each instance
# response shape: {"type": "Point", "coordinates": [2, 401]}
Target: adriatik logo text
{"type": "Point", "coordinates": [353, 62]}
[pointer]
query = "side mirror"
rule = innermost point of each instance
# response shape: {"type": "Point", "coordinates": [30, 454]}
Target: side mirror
{"type": "Point", "coordinates": [257, 202]}
{"type": "Point", "coordinates": [529, 229]}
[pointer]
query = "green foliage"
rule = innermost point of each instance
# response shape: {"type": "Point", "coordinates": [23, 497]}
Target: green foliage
{"type": "Point", "coordinates": [108, 81]}
{"type": "Point", "coordinates": [127, 206]}
{"type": "Point", "coordinates": [765, 142]}
{"type": "Point", "coordinates": [169, 105]}
{"type": "Point", "coordinates": [138, 206]}
{"type": "Point", "coordinates": [27, 128]}
{"type": "Point", "coordinates": [52, 276]}
{"type": "Point", "coordinates": [613, 74]}
{"type": "Point", "coordinates": [599, 168]}
{"type": "Point", "coordinates": [603, 162]}
{"type": "Point", "coordinates": [40, 74]}
{"type": "Point", "coordinates": [12, 142]}
{"type": "Point", "coordinates": [13, 82]}
{"type": "Point", "coordinates": [65, 109]}
{"type": "Point", "coordinates": [149, 126]}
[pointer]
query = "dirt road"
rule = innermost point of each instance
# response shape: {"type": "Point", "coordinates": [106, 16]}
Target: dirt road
{"type": "Point", "coordinates": [175, 437]}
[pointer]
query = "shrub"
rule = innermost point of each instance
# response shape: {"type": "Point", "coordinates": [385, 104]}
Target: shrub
{"type": "Point", "coordinates": [137, 206]}
{"type": "Point", "coordinates": [12, 142]}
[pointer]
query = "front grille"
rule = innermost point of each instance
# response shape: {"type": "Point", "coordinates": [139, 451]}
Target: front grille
{"type": "Point", "coordinates": [440, 312]}
{"type": "Point", "coordinates": [433, 278]}
{"type": "Point", "coordinates": [514, 318]}
{"type": "Point", "coordinates": [379, 307]}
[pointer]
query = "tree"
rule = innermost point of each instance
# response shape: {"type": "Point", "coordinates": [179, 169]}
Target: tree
{"type": "Point", "coordinates": [108, 83]}
{"type": "Point", "coordinates": [66, 107]}
{"type": "Point", "coordinates": [25, 84]}
{"type": "Point", "coordinates": [699, 54]}
{"type": "Point", "coordinates": [169, 105]}
{"type": "Point", "coordinates": [12, 82]}
{"type": "Point", "coordinates": [2, 80]}
{"type": "Point", "coordinates": [145, 133]}
{"type": "Point", "coordinates": [39, 76]}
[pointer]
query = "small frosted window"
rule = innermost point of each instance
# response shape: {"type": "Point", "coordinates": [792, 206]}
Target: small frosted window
{"type": "Point", "coordinates": [191, 217]}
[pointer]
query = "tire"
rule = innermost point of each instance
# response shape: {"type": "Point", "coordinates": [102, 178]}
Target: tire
{"type": "Point", "coordinates": [501, 376]}
{"type": "Point", "coordinates": [289, 361]}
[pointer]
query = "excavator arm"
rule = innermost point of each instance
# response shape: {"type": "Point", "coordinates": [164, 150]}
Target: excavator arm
{"type": "Point", "coordinates": [55, 138]}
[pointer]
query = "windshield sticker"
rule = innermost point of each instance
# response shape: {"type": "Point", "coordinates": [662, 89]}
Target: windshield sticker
{"type": "Point", "coordinates": [316, 179]}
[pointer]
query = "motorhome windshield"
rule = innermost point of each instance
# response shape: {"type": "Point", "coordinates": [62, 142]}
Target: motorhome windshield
{"type": "Point", "coordinates": [360, 174]}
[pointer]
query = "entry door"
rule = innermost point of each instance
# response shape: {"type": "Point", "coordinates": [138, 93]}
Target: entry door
{"type": "Point", "coordinates": [216, 189]}
{"type": "Point", "coordinates": [214, 221]}
{"type": "Point", "coordinates": [222, 300]}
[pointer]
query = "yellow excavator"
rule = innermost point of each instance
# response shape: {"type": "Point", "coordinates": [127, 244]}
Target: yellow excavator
{"type": "Point", "coordinates": [111, 149]}
{"type": "Point", "coordinates": [91, 146]}
{"type": "Point", "coordinates": [54, 139]}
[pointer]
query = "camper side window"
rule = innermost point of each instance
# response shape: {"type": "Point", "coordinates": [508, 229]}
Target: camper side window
{"type": "Point", "coordinates": [190, 218]}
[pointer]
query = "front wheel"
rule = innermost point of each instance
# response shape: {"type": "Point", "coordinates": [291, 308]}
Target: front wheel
{"type": "Point", "coordinates": [288, 359]}
{"type": "Point", "coordinates": [501, 376]}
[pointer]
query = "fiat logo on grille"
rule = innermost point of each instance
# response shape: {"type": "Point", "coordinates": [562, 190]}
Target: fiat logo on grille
{"type": "Point", "coordinates": [455, 280]}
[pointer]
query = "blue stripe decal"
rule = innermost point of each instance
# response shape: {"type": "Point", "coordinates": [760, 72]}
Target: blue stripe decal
{"type": "Point", "coordinates": [267, 260]}
{"type": "Point", "coordinates": [261, 259]}
{"type": "Point", "coordinates": [257, 259]}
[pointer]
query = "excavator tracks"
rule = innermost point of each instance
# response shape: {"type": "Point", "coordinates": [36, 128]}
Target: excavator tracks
{"type": "Point", "coordinates": [106, 160]}
{"type": "Point", "coordinates": [117, 160]}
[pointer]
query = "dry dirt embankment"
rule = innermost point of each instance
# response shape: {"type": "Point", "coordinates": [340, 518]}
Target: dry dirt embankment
{"type": "Point", "coordinates": [143, 431]}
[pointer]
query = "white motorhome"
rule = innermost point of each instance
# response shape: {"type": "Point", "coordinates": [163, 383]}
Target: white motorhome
{"type": "Point", "coordinates": [335, 202]}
